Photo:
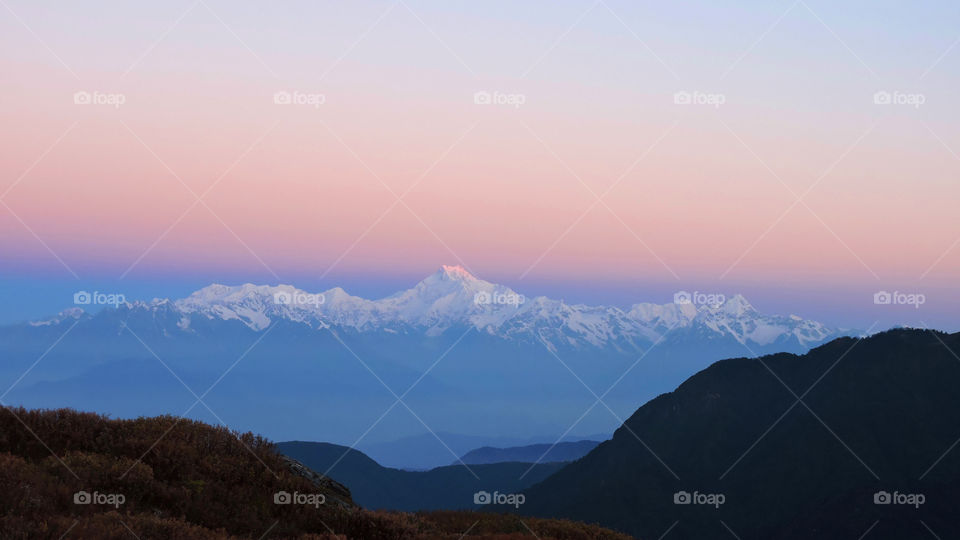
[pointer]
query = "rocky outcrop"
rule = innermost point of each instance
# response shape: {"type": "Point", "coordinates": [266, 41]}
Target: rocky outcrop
{"type": "Point", "coordinates": [335, 492]}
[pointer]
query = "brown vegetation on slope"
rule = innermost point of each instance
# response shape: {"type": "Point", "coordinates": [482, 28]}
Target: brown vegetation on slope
{"type": "Point", "coordinates": [185, 479]}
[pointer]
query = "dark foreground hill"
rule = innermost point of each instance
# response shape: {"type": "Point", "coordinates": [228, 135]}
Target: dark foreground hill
{"type": "Point", "coordinates": [732, 452]}
{"type": "Point", "coordinates": [66, 474]}
{"type": "Point", "coordinates": [533, 453]}
{"type": "Point", "coordinates": [442, 488]}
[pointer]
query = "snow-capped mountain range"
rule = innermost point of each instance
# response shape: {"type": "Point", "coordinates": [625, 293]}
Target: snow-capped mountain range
{"type": "Point", "coordinates": [281, 360]}
{"type": "Point", "coordinates": [453, 298]}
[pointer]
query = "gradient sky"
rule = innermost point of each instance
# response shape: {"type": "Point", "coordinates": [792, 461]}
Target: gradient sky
{"type": "Point", "coordinates": [693, 197]}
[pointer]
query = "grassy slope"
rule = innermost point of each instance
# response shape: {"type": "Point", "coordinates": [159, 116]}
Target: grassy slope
{"type": "Point", "coordinates": [186, 479]}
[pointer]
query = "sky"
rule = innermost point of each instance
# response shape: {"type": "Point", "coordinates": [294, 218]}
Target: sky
{"type": "Point", "coordinates": [803, 153]}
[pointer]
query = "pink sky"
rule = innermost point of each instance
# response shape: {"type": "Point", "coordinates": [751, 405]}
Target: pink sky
{"type": "Point", "coordinates": [507, 191]}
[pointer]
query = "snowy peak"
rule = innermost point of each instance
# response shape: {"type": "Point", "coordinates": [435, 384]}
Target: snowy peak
{"type": "Point", "coordinates": [737, 318]}
{"type": "Point", "coordinates": [449, 279]}
{"type": "Point", "coordinates": [254, 305]}
{"type": "Point", "coordinates": [737, 305]}
{"type": "Point", "coordinates": [65, 315]}
{"type": "Point", "coordinates": [449, 297]}
{"type": "Point", "coordinates": [225, 294]}
{"type": "Point", "coordinates": [455, 273]}
{"type": "Point", "coordinates": [669, 314]}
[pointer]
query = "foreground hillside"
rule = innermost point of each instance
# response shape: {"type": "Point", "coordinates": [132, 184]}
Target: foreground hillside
{"type": "Point", "coordinates": [872, 447]}
{"type": "Point", "coordinates": [81, 475]}
{"type": "Point", "coordinates": [443, 488]}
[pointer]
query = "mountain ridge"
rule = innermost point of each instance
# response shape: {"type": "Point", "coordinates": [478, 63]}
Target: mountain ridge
{"type": "Point", "coordinates": [561, 451]}
{"type": "Point", "coordinates": [453, 298]}
{"type": "Point", "coordinates": [448, 487]}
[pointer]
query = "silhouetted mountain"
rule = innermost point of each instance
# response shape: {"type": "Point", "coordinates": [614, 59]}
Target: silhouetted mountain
{"type": "Point", "coordinates": [443, 488]}
{"type": "Point", "coordinates": [534, 453]}
{"type": "Point", "coordinates": [66, 474]}
{"type": "Point", "coordinates": [878, 418]}
{"type": "Point", "coordinates": [424, 452]}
